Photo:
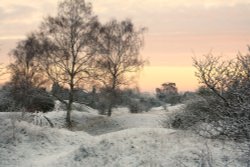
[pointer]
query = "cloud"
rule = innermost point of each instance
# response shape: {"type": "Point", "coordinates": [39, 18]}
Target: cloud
{"type": "Point", "coordinates": [159, 16]}
{"type": "Point", "coordinates": [175, 26]}
{"type": "Point", "coordinates": [16, 14]}
{"type": "Point", "coordinates": [169, 3]}
{"type": "Point", "coordinates": [179, 16]}
{"type": "Point", "coordinates": [20, 17]}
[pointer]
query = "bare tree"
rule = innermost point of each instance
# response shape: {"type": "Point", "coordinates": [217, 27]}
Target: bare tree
{"type": "Point", "coordinates": [224, 78]}
{"type": "Point", "coordinates": [241, 81]}
{"type": "Point", "coordinates": [211, 71]}
{"type": "Point", "coordinates": [67, 41]}
{"type": "Point", "coordinates": [26, 68]}
{"type": "Point", "coordinates": [119, 56]}
{"type": "Point", "coordinates": [229, 81]}
{"type": "Point", "coordinates": [26, 75]}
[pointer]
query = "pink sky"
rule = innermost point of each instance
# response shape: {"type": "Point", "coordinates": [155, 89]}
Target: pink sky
{"type": "Point", "coordinates": [177, 30]}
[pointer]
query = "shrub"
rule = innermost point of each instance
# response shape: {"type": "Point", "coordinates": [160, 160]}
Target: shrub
{"type": "Point", "coordinates": [41, 102]}
{"type": "Point", "coordinates": [194, 113]}
{"type": "Point", "coordinates": [6, 102]}
{"type": "Point", "coordinates": [35, 99]}
{"type": "Point", "coordinates": [208, 117]}
{"type": "Point", "coordinates": [143, 103]}
{"type": "Point", "coordinates": [226, 89]}
{"type": "Point", "coordinates": [135, 106]}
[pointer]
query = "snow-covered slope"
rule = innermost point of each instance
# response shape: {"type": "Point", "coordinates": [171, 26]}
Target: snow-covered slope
{"type": "Point", "coordinates": [124, 140]}
{"type": "Point", "coordinates": [139, 147]}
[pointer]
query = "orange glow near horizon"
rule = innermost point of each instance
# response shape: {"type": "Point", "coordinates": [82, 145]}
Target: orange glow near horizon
{"type": "Point", "coordinates": [153, 76]}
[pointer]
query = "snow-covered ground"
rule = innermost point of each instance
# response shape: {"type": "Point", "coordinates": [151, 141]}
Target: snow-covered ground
{"type": "Point", "coordinates": [126, 140]}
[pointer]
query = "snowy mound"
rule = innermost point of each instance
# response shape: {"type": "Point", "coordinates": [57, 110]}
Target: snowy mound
{"type": "Point", "coordinates": [131, 147]}
{"type": "Point", "coordinates": [76, 106]}
{"type": "Point", "coordinates": [21, 141]}
{"type": "Point", "coordinates": [136, 147]}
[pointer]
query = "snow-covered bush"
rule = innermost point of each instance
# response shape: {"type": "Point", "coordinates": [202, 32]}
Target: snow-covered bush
{"type": "Point", "coordinates": [42, 102]}
{"type": "Point", "coordinates": [135, 106]}
{"type": "Point", "coordinates": [143, 104]}
{"type": "Point", "coordinates": [34, 99]}
{"type": "Point", "coordinates": [226, 88]}
{"type": "Point", "coordinates": [194, 113]}
{"type": "Point", "coordinates": [6, 101]}
{"type": "Point", "coordinates": [209, 119]}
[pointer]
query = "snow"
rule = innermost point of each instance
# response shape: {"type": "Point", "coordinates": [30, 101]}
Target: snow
{"type": "Point", "coordinates": [123, 140]}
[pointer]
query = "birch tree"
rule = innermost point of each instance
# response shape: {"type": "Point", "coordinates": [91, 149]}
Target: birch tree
{"type": "Point", "coordinates": [119, 49]}
{"type": "Point", "coordinates": [67, 41]}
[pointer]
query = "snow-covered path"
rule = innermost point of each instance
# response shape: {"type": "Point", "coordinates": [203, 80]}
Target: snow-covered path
{"type": "Point", "coordinates": [102, 124]}
{"type": "Point", "coordinates": [122, 119]}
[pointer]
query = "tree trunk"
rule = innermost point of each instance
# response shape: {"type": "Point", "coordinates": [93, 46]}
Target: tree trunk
{"type": "Point", "coordinates": [71, 97]}
{"type": "Point", "coordinates": [69, 108]}
{"type": "Point", "coordinates": [110, 110]}
{"type": "Point", "coordinates": [112, 98]}
{"type": "Point", "coordinates": [112, 102]}
{"type": "Point", "coordinates": [68, 115]}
